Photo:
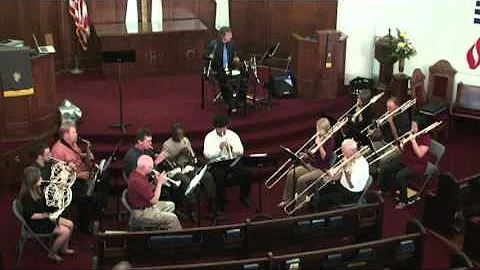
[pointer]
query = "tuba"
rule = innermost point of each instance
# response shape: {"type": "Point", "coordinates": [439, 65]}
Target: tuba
{"type": "Point", "coordinates": [58, 192]}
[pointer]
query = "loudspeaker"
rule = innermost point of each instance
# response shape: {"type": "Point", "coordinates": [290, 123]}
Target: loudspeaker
{"type": "Point", "coordinates": [282, 86]}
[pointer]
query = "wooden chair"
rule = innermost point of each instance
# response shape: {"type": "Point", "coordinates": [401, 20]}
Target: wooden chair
{"type": "Point", "coordinates": [467, 103]}
{"type": "Point", "coordinates": [439, 95]}
{"type": "Point", "coordinates": [417, 89]}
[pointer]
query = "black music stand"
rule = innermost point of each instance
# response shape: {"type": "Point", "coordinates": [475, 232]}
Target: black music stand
{"type": "Point", "coordinates": [194, 183]}
{"type": "Point", "coordinates": [269, 85]}
{"type": "Point", "coordinates": [259, 160]}
{"type": "Point", "coordinates": [296, 162]}
{"type": "Point", "coordinates": [112, 158]}
{"type": "Point", "coordinates": [119, 57]}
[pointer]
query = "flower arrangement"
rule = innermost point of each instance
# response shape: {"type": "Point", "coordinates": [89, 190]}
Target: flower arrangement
{"type": "Point", "coordinates": [402, 47]}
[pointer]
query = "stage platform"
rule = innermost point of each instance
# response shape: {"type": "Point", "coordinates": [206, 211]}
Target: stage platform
{"type": "Point", "coordinates": [156, 102]}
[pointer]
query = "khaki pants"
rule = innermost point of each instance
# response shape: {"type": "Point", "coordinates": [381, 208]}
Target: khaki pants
{"type": "Point", "coordinates": [304, 178]}
{"type": "Point", "coordinates": [158, 215]}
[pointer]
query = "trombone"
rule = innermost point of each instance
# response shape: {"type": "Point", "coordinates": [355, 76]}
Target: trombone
{"type": "Point", "coordinates": [402, 140]}
{"type": "Point", "coordinates": [384, 117]}
{"type": "Point", "coordinates": [278, 174]}
{"type": "Point", "coordinates": [374, 99]}
{"type": "Point", "coordinates": [293, 205]}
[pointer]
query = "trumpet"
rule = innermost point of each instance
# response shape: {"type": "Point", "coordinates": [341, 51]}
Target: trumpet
{"type": "Point", "coordinates": [177, 183]}
{"type": "Point", "coordinates": [229, 147]}
{"type": "Point", "coordinates": [278, 175]}
{"type": "Point", "coordinates": [293, 205]}
{"type": "Point", "coordinates": [391, 147]}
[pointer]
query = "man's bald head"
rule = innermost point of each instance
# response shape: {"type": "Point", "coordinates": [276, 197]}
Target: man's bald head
{"type": "Point", "coordinates": [144, 164]}
{"type": "Point", "coordinates": [349, 147]}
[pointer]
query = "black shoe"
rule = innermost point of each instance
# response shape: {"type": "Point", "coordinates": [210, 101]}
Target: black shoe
{"type": "Point", "coordinates": [246, 202]}
{"type": "Point", "coordinates": [181, 215]}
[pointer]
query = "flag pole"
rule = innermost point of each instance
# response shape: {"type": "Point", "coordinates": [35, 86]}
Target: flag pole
{"type": "Point", "coordinates": [76, 60]}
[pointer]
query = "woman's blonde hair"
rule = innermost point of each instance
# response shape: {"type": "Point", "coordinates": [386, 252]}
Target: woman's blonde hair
{"type": "Point", "coordinates": [323, 124]}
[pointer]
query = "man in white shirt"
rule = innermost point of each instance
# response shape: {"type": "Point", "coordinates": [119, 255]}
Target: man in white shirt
{"type": "Point", "coordinates": [224, 144]}
{"type": "Point", "coordinates": [352, 177]}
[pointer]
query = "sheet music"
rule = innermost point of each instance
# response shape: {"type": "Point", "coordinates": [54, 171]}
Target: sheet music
{"type": "Point", "coordinates": [196, 180]}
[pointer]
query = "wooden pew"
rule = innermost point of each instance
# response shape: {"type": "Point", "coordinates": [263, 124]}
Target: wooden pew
{"type": "Point", "coordinates": [399, 252]}
{"type": "Point", "coordinates": [244, 240]}
{"type": "Point", "coordinates": [307, 232]}
{"type": "Point", "coordinates": [451, 196]}
{"type": "Point", "coordinates": [251, 264]}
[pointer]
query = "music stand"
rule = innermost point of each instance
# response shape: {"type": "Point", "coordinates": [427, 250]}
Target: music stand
{"type": "Point", "coordinates": [259, 160]}
{"type": "Point", "coordinates": [108, 161]}
{"type": "Point", "coordinates": [192, 185]}
{"type": "Point", "coordinates": [267, 55]}
{"type": "Point", "coordinates": [119, 57]}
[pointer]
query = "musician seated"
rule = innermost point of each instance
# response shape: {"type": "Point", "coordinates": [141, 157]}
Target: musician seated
{"type": "Point", "coordinates": [319, 163]}
{"type": "Point", "coordinates": [148, 210]}
{"type": "Point", "coordinates": [352, 176]}
{"type": "Point", "coordinates": [43, 160]}
{"type": "Point", "coordinates": [143, 143]}
{"type": "Point", "coordinates": [412, 164]}
{"type": "Point", "coordinates": [38, 219]}
{"type": "Point", "coordinates": [224, 144]}
{"type": "Point", "coordinates": [143, 146]}
{"type": "Point", "coordinates": [395, 127]}
{"type": "Point", "coordinates": [360, 122]}
{"type": "Point", "coordinates": [179, 149]}
{"type": "Point", "coordinates": [225, 62]}
{"type": "Point", "coordinates": [67, 150]}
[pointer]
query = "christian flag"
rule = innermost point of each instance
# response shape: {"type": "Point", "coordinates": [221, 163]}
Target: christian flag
{"type": "Point", "coordinates": [15, 72]}
{"type": "Point", "coordinates": [78, 10]}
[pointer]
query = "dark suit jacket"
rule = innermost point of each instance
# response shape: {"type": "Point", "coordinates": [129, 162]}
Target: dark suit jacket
{"type": "Point", "coordinates": [216, 46]}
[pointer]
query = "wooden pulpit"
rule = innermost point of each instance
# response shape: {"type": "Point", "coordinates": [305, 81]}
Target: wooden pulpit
{"type": "Point", "coordinates": [34, 116]}
{"type": "Point", "coordinates": [319, 64]}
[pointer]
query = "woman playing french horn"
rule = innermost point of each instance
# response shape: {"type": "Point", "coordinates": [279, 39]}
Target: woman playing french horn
{"type": "Point", "coordinates": [36, 216]}
{"type": "Point", "coordinates": [413, 160]}
{"type": "Point", "coordinates": [319, 162]}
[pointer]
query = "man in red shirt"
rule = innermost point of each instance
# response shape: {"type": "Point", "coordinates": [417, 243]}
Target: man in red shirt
{"type": "Point", "coordinates": [67, 149]}
{"type": "Point", "coordinates": [147, 209]}
{"type": "Point", "coordinates": [413, 161]}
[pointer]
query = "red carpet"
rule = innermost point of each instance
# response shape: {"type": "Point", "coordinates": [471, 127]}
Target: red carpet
{"type": "Point", "coordinates": [156, 102]}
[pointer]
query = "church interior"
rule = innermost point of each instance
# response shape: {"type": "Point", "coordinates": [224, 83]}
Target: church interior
{"type": "Point", "coordinates": [348, 129]}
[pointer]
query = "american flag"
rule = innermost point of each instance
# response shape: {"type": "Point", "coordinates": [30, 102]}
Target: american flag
{"type": "Point", "coordinates": [78, 10]}
{"type": "Point", "coordinates": [476, 17]}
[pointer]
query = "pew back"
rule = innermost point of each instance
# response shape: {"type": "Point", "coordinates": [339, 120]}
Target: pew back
{"type": "Point", "coordinates": [245, 240]}
{"type": "Point", "coordinates": [332, 228]}
{"type": "Point", "coordinates": [399, 252]}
